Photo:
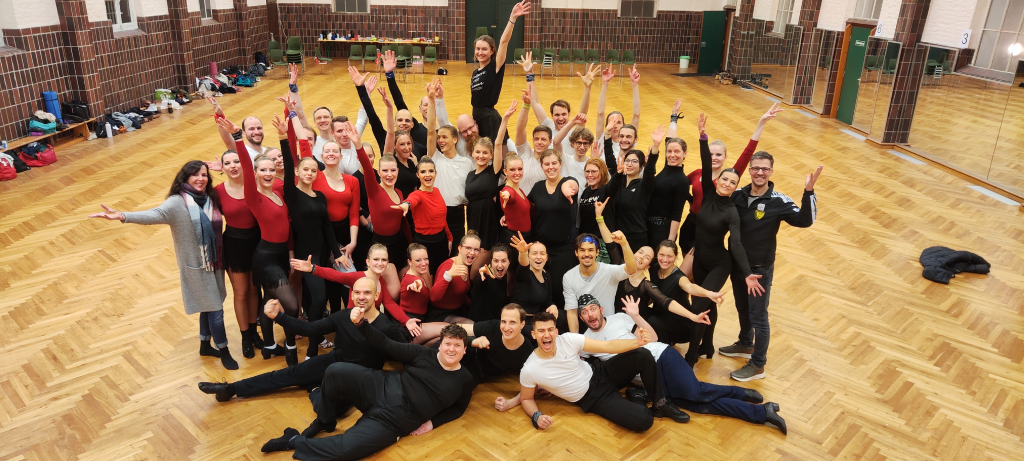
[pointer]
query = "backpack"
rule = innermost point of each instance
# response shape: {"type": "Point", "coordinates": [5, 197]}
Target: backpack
{"type": "Point", "coordinates": [257, 70]}
{"type": "Point", "coordinates": [261, 58]}
{"type": "Point", "coordinates": [245, 80]}
{"type": "Point", "coordinates": [41, 158]}
{"type": "Point", "coordinates": [7, 170]}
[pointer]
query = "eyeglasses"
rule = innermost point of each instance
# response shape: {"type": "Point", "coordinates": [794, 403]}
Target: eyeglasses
{"type": "Point", "coordinates": [758, 169]}
{"type": "Point", "coordinates": [631, 161]}
{"type": "Point", "coordinates": [471, 249]}
{"type": "Point", "coordinates": [581, 143]}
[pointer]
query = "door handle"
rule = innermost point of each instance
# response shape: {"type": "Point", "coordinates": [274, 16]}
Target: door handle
{"type": "Point", "coordinates": [702, 44]}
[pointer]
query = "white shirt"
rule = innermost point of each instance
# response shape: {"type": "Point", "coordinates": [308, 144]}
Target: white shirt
{"type": "Point", "coordinates": [573, 169]}
{"type": "Point", "coordinates": [532, 171]}
{"type": "Point", "coordinates": [461, 146]}
{"type": "Point", "coordinates": [620, 326]}
{"type": "Point", "coordinates": [253, 153]}
{"type": "Point", "coordinates": [566, 144]}
{"type": "Point", "coordinates": [318, 148]}
{"type": "Point", "coordinates": [349, 163]}
{"type": "Point", "coordinates": [565, 375]}
{"type": "Point", "coordinates": [451, 177]}
{"type": "Point", "coordinates": [601, 285]}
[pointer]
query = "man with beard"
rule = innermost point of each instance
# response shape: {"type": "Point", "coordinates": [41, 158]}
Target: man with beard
{"type": "Point", "coordinates": [349, 347]}
{"type": "Point", "coordinates": [432, 389]}
{"type": "Point", "coordinates": [561, 114]}
{"type": "Point", "coordinates": [469, 130]}
{"type": "Point", "coordinates": [556, 366]}
{"type": "Point", "coordinates": [677, 378]}
{"type": "Point", "coordinates": [490, 290]}
{"type": "Point", "coordinates": [594, 277]}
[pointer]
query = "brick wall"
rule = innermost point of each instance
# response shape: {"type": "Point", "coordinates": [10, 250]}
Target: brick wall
{"type": "Point", "coordinates": [24, 76]}
{"type": "Point", "coordinates": [131, 67]}
{"type": "Point", "coordinates": [216, 40]}
{"type": "Point", "coordinates": [810, 47]}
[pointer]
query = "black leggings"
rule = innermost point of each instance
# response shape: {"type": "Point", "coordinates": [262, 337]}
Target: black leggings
{"type": "Point", "coordinates": [561, 259]}
{"type": "Point", "coordinates": [336, 292]}
{"type": "Point", "coordinates": [457, 225]}
{"type": "Point", "coordinates": [286, 296]}
{"type": "Point", "coordinates": [711, 274]}
{"type": "Point", "coordinates": [658, 228]}
{"type": "Point", "coordinates": [316, 287]}
{"type": "Point", "coordinates": [307, 374]}
{"type": "Point", "coordinates": [688, 233]}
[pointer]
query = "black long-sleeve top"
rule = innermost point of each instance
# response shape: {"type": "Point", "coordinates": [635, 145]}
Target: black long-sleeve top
{"type": "Point", "coordinates": [430, 392]}
{"type": "Point", "coordinates": [376, 126]}
{"type": "Point", "coordinates": [760, 233]}
{"type": "Point", "coordinates": [311, 227]}
{"type": "Point", "coordinates": [671, 191]}
{"type": "Point", "coordinates": [631, 199]}
{"type": "Point", "coordinates": [554, 218]}
{"type": "Point", "coordinates": [532, 294]}
{"type": "Point", "coordinates": [497, 360]}
{"type": "Point", "coordinates": [418, 131]}
{"type": "Point", "coordinates": [717, 216]}
{"type": "Point", "coordinates": [487, 297]}
{"type": "Point", "coordinates": [349, 344]}
{"type": "Point", "coordinates": [587, 222]}
{"type": "Point", "coordinates": [647, 293]}
{"type": "Point", "coordinates": [669, 286]}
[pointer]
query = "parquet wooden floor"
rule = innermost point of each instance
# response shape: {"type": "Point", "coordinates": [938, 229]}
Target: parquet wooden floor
{"type": "Point", "coordinates": [868, 359]}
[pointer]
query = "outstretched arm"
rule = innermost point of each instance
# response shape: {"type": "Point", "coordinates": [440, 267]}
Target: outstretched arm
{"type": "Point", "coordinates": [588, 80]}
{"type": "Point", "coordinates": [526, 398]}
{"type": "Point", "coordinates": [635, 77]}
{"type": "Point", "coordinates": [499, 147]}
{"type": "Point", "coordinates": [521, 9]}
{"type": "Point", "coordinates": [293, 91]}
{"type": "Point", "coordinates": [524, 118]}
{"type": "Point", "coordinates": [606, 76]}
{"type": "Point", "coordinates": [431, 119]}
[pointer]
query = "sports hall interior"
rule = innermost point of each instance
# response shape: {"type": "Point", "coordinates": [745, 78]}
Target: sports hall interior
{"type": "Point", "coordinates": [914, 107]}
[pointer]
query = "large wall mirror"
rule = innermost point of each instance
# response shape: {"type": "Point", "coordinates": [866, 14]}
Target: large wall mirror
{"type": "Point", "coordinates": [971, 123]}
{"type": "Point", "coordinates": [828, 42]}
{"type": "Point", "coordinates": [775, 57]}
{"type": "Point", "coordinates": [876, 78]}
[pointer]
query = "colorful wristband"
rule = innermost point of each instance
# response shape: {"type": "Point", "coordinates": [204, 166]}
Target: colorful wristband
{"type": "Point", "coordinates": [530, 77]}
{"type": "Point", "coordinates": [293, 88]}
{"type": "Point", "coordinates": [389, 74]}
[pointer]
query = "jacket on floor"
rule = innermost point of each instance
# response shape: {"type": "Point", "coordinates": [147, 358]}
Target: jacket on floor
{"type": "Point", "coordinates": [941, 263]}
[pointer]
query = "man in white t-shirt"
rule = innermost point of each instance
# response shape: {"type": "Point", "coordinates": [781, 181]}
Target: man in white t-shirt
{"type": "Point", "coordinates": [594, 277]}
{"type": "Point", "coordinates": [532, 171]}
{"type": "Point", "coordinates": [557, 367]}
{"type": "Point", "coordinates": [561, 113]}
{"type": "Point", "coordinates": [575, 156]}
{"type": "Point", "coordinates": [677, 380]}
{"type": "Point", "coordinates": [349, 163]}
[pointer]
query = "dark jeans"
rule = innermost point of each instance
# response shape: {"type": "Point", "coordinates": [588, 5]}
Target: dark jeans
{"type": "Point", "coordinates": [211, 325]}
{"type": "Point", "coordinates": [753, 312]}
{"type": "Point", "coordinates": [603, 396]}
{"type": "Point", "coordinates": [690, 394]}
{"type": "Point", "coordinates": [307, 374]}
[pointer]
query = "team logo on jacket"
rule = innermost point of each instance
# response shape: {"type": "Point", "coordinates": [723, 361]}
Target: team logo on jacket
{"type": "Point", "coordinates": [760, 211]}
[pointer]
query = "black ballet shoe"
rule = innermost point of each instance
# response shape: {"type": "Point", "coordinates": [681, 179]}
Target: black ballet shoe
{"type": "Point", "coordinates": [247, 350]}
{"type": "Point", "coordinates": [226, 359]}
{"type": "Point", "coordinates": [317, 427]}
{"type": "Point", "coordinates": [223, 391]}
{"type": "Point", "coordinates": [291, 356]}
{"type": "Point", "coordinates": [637, 395]}
{"type": "Point", "coordinates": [752, 396]}
{"type": "Point", "coordinates": [665, 409]}
{"type": "Point", "coordinates": [706, 352]}
{"type": "Point", "coordinates": [275, 352]}
{"type": "Point", "coordinates": [207, 350]}
{"type": "Point", "coordinates": [281, 443]}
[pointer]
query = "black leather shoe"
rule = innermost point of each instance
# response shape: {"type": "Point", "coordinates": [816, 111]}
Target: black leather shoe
{"type": "Point", "coordinates": [281, 443]}
{"type": "Point", "coordinates": [257, 341]}
{"type": "Point", "coordinates": [666, 409]}
{"type": "Point", "coordinates": [317, 427]}
{"type": "Point", "coordinates": [752, 396]}
{"type": "Point", "coordinates": [275, 352]}
{"type": "Point", "coordinates": [207, 350]}
{"type": "Point", "coordinates": [247, 350]}
{"type": "Point", "coordinates": [637, 395]}
{"type": "Point", "coordinates": [291, 356]}
{"type": "Point", "coordinates": [223, 391]}
{"type": "Point", "coordinates": [773, 419]}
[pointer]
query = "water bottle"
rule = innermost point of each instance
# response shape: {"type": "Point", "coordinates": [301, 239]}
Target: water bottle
{"type": "Point", "coordinates": [106, 126]}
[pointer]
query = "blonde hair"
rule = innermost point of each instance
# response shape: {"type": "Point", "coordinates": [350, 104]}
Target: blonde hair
{"type": "Point", "coordinates": [550, 153]}
{"type": "Point", "coordinates": [260, 158]}
{"type": "Point", "coordinates": [486, 142]}
{"type": "Point", "coordinates": [377, 247]}
{"type": "Point", "coordinates": [512, 157]}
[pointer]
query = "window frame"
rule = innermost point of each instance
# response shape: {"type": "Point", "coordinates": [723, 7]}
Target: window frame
{"type": "Point", "coordinates": [783, 15]}
{"type": "Point", "coordinates": [115, 21]}
{"type": "Point", "coordinates": [208, 13]}
{"type": "Point", "coordinates": [654, 8]}
{"type": "Point", "coordinates": [334, 7]}
{"type": "Point", "coordinates": [873, 13]}
{"type": "Point", "coordinates": [986, 61]}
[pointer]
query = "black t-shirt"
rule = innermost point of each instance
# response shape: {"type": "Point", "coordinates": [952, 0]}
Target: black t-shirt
{"type": "Point", "coordinates": [554, 218]}
{"type": "Point", "coordinates": [487, 298]}
{"type": "Point", "coordinates": [407, 180]}
{"type": "Point", "coordinates": [631, 199]}
{"type": "Point", "coordinates": [486, 85]}
{"type": "Point", "coordinates": [671, 191]}
{"type": "Point", "coordinates": [587, 216]}
{"type": "Point", "coordinates": [499, 360]}
{"type": "Point", "coordinates": [349, 344]}
{"type": "Point", "coordinates": [532, 294]}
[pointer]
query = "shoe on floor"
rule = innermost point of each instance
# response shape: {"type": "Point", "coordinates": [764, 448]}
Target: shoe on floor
{"type": "Point", "coordinates": [637, 395]}
{"type": "Point", "coordinates": [736, 350]}
{"type": "Point", "coordinates": [227, 360]}
{"type": "Point", "coordinates": [773, 419]}
{"type": "Point", "coordinates": [752, 396]}
{"type": "Point", "coordinates": [281, 443]}
{"type": "Point", "coordinates": [748, 372]}
{"type": "Point", "coordinates": [277, 351]}
{"type": "Point", "coordinates": [667, 409]}
{"type": "Point", "coordinates": [223, 391]}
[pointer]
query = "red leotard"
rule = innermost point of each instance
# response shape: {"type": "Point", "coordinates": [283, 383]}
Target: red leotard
{"type": "Point", "coordinates": [740, 166]}
{"type": "Point", "coordinates": [272, 218]}
{"type": "Point", "coordinates": [449, 295]}
{"type": "Point", "coordinates": [429, 212]}
{"type": "Point", "coordinates": [386, 220]}
{"type": "Point", "coordinates": [517, 211]}
{"type": "Point", "coordinates": [236, 212]}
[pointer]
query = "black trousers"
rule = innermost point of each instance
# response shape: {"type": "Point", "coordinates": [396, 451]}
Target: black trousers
{"type": "Point", "coordinates": [603, 397]}
{"type": "Point", "coordinates": [711, 275]}
{"type": "Point", "coordinates": [307, 374]}
{"type": "Point", "coordinates": [437, 248]}
{"type": "Point", "coordinates": [377, 395]}
{"type": "Point", "coordinates": [457, 225]}
{"type": "Point", "coordinates": [671, 328]}
{"type": "Point", "coordinates": [315, 289]}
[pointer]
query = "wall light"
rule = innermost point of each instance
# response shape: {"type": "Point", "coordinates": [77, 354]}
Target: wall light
{"type": "Point", "coordinates": [1015, 49]}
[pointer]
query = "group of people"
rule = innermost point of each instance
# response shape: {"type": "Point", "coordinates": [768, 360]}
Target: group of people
{"type": "Point", "coordinates": [466, 251]}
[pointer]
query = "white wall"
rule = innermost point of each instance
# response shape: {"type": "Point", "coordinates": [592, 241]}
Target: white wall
{"type": "Point", "coordinates": [147, 8]}
{"type": "Point", "coordinates": [834, 14]}
{"type": "Point", "coordinates": [22, 14]}
{"type": "Point", "coordinates": [888, 17]}
{"type": "Point", "coordinates": [256, 2]}
{"type": "Point", "coordinates": [978, 23]}
{"type": "Point", "coordinates": [765, 9]}
{"type": "Point", "coordinates": [947, 20]}
{"type": "Point", "coordinates": [795, 19]}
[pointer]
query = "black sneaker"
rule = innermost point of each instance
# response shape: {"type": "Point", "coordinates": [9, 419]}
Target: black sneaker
{"type": "Point", "coordinates": [736, 350]}
{"type": "Point", "coordinates": [637, 395]}
{"type": "Point", "coordinates": [666, 409]}
{"type": "Point", "coordinates": [223, 391]}
{"type": "Point", "coordinates": [773, 419]}
{"type": "Point", "coordinates": [281, 443]}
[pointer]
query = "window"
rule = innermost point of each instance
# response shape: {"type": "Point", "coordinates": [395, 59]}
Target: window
{"type": "Point", "coordinates": [782, 16]}
{"type": "Point", "coordinates": [1004, 27]}
{"type": "Point", "coordinates": [868, 9]}
{"type": "Point", "coordinates": [122, 14]}
{"type": "Point", "coordinates": [351, 6]}
{"type": "Point", "coordinates": [205, 11]}
{"type": "Point", "coordinates": [637, 9]}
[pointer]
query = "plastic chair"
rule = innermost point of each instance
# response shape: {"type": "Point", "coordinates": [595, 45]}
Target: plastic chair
{"type": "Point", "coordinates": [356, 52]}
{"type": "Point", "coordinates": [295, 53]}
{"type": "Point", "coordinates": [612, 57]}
{"type": "Point", "coordinates": [417, 52]}
{"type": "Point", "coordinates": [430, 55]}
{"type": "Point", "coordinates": [403, 56]}
{"type": "Point", "coordinates": [627, 60]}
{"type": "Point", "coordinates": [549, 59]}
{"type": "Point", "coordinates": [593, 57]}
{"type": "Point", "coordinates": [564, 57]}
{"type": "Point", "coordinates": [516, 54]}
{"type": "Point", "coordinates": [370, 53]}
{"type": "Point", "coordinates": [538, 58]}
{"type": "Point", "coordinates": [322, 60]}
{"type": "Point", "coordinates": [273, 45]}
{"type": "Point", "coordinates": [277, 59]}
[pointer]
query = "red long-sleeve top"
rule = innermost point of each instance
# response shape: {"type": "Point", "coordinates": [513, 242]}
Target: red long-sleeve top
{"type": "Point", "coordinates": [340, 204]}
{"type": "Point", "coordinates": [517, 211]}
{"type": "Point", "coordinates": [349, 278]}
{"type": "Point", "coordinates": [449, 295]}
{"type": "Point", "coordinates": [272, 218]}
{"type": "Point", "coordinates": [411, 301]}
{"type": "Point", "coordinates": [236, 213]}
{"type": "Point", "coordinates": [740, 166]}
{"type": "Point", "coordinates": [429, 212]}
{"type": "Point", "coordinates": [386, 220]}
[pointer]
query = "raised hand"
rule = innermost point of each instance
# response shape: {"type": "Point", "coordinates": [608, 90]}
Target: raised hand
{"type": "Point", "coordinates": [599, 207]}
{"type": "Point", "coordinates": [109, 213]}
{"type": "Point", "coordinates": [438, 89]}
{"type": "Point", "coordinates": [214, 165]}
{"type": "Point", "coordinates": [519, 243]}
{"type": "Point", "coordinates": [371, 83]}
{"type": "Point", "coordinates": [631, 306]}
{"type": "Point", "coordinates": [289, 103]}
{"type": "Point", "coordinates": [384, 96]}
{"type": "Point", "coordinates": [597, 150]}
{"type": "Point", "coordinates": [357, 78]}
{"type": "Point", "coordinates": [607, 74]}
{"type": "Point", "coordinates": [634, 75]}
{"type": "Point", "coordinates": [353, 134]}
{"type": "Point", "coordinates": [293, 74]}
{"type": "Point", "coordinates": [521, 9]}
{"type": "Point", "coordinates": [527, 61]}
{"type": "Point", "coordinates": [658, 135]}
{"type": "Point", "coordinates": [678, 105]}
{"type": "Point", "coordinates": [356, 316]}
{"type": "Point", "coordinates": [588, 77]}
{"type": "Point", "coordinates": [303, 266]}
{"type": "Point", "coordinates": [772, 113]}
{"type": "Point", "coordinates": [618, 237]}
{"type": "Point", "coordinates": [753, 286]}
{"type": "Point", "coordinates": [485, 271]}
{"type": "Point", "coordinates": [812, 178]}
{"type": "Point", "coordinates": [511, 110]}
{"type": "Point", "coordinates": [702, 121]}
{"type": "Point", "coordinates": [389, 61]}
{"type": "Point", "coordinates": [227, 125]}
{"type": "Point", "coordinates": [272, 308]}
{"type": "Point", "coordinates": [415, 286]}
{"type": "Point", "coordinates": [580, 119]}
{"type": "Point", "coordinates": [282, 127]}
{"type": "Point", "coordinates": [458, 269]}
{"type": "Point", "coordinates": [553, 310]}
{"type": "Point", "coordinates": [526, 98]}
{"type": "Point", "coordinates": [481, 343]}
{"type": "Point", "coordinates": [413, 325]}
{"type": "Point", "coordinates": [217, 110]}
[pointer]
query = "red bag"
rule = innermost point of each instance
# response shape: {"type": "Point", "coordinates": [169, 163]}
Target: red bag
{"type": "Point", "coordinates": [7, 171]}
{"type": "Point", "coordinates": [43, 158]}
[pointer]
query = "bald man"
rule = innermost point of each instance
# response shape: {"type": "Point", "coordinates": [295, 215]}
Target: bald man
{"type": "Point", "coordinates": [350, 347]}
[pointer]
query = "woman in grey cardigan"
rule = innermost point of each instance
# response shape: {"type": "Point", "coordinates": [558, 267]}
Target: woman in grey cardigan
{"type": "Point", "coordinates": [193, 212]}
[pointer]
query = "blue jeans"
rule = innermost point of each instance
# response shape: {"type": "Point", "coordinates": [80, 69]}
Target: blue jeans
{"type": "Point", "coordinates": [211, 324]}
{"type": "Point", "coordinates": [753, 313]}
{"type": "Point", "coordinates": [683, 388]}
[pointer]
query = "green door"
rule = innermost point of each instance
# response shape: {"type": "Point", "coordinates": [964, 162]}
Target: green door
{"type": "Point", "coordinates": [492, 15]}
{"type": "Point", "coordinates": [712, 39]}
{"type": "Point", "coordinates": [855, 53]}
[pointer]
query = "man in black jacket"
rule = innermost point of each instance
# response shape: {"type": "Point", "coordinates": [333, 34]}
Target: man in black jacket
{"type": "Point", "coordinates": [762, 211]}
{"type": "Point", "coordinates": [433, 389]}
{"type": "Point", "coordinates": [350, 347]}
